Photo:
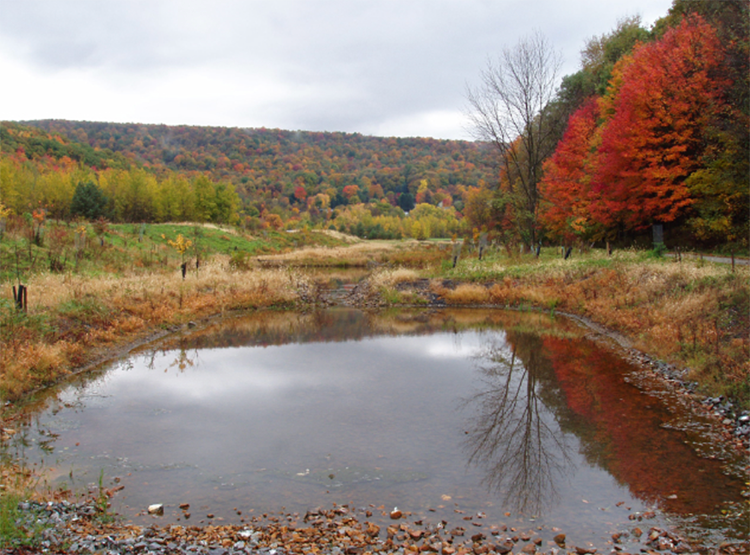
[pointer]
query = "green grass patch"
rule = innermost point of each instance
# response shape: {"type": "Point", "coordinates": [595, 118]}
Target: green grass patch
{"type": "Point", "coordinates": [16, 529]}
{"type": "Point", "coordinates": [11, 534]}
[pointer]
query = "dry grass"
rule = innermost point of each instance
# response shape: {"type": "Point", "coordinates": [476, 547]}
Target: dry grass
{"type": "Point", "coordinates": [360, 254]}
{"type": "Point", "coordinates": [357, 254]}
{"type": "Point", "coordinates": [467, 294]}
{"type": "Point", "coordinates": [392, 277]}
{"type": "Point", "coordinates": [694, 315]}
{"type": "Point", "coordinates": [71, 318]}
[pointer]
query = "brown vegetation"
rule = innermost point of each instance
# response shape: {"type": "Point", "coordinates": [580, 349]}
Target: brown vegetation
{"type": "Point", "coordinates": [74, 320]}
{"type": "Point", "coordinates": [695, 316]}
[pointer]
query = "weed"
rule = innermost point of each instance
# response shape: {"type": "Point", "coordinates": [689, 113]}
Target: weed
{"type": "Point", "coordinates": [102, 502]}
{"type": "Point", "coordinates": [17, 530]}
{"type": "Point", "coordinates": [12, 534]}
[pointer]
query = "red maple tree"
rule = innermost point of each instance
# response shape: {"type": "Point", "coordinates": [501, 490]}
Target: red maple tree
{"type": "Point", "coordinates": [567, 198]}
{"type": "Point", "coordinates": [662, 99]}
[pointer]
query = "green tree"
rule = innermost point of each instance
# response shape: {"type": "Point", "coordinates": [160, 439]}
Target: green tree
{"type": "Point", "coordinates": [204, 197]}
{"type": "Point", "coordinates": [89, 201]}
{"type": "Point", "coordinates": [406, 201]}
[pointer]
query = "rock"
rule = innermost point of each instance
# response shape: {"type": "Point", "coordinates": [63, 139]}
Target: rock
{"type": "Point", "coordinates": [184, 506]}
{"type": "Point", "coordinates": [560, 540]}
{"type": "Point", "coordinates": [664, 544]}
{"type": "Point", "coordinates": [529, 548]}
{"type": "Point", "coordinates": [156, 509]}
{"type": "Point", "coordinates": [457, 531]}
{"type": "Point", "coordinates": [585, 550]}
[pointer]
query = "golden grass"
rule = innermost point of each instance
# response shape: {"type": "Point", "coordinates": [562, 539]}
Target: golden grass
{"type": "Point", "coordinates": [691, 314]}
{"type": "Point", "coordinates": [467, 294]}
{"type": "Point", "coordinates": [357, 254]}
{"type": "Point", "coordinates": [392, 277]}
{"type": "Point", "coordinates": [86, 314]}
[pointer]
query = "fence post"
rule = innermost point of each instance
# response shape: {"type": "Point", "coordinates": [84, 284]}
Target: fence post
{"type": "Point", "coordinates": [20, 297]}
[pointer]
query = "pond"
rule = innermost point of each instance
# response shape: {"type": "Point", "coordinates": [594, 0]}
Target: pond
{"type": "Point", "coordinates": [446, 414]}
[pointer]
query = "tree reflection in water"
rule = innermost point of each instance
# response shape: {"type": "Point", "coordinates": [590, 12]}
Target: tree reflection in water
{"type": "Point", "coordinates": [513, 436]}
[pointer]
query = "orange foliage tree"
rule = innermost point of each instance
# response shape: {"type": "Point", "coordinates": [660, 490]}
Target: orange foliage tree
{"type": "Point", "coordinates": [567, 198]}
{"type": "Point", "coordinates": [660, 104]}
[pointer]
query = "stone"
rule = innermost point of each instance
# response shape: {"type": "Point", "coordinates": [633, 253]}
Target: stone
{"type": "Point", "coordinates": [396, 514]}
{"type": "Point", "coordinates": [560, 540]}
{"type": "Point", "coordinates": [156, 509]}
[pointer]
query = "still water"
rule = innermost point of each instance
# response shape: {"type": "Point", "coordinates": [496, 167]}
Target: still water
{"type": "Point", "coordinates": [443, 414]}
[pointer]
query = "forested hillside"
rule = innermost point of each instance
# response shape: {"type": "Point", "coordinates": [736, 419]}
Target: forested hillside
{"type": "Point", "coordinates": [272, 167]}
{"type": "Point", "coordinates": [47, 175]}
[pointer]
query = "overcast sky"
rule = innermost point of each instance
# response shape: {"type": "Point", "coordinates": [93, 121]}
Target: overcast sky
{"type": "Point", "coordinates": [377, 67]}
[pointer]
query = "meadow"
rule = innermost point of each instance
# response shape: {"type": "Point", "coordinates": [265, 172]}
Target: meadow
{"type": "Point", "coordinates": [92, 295]}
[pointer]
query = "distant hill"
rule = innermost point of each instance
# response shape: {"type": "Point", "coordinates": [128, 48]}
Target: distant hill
{"type": "Point", "coordinates": [277, 168]}
{"type": "Point", "coordinates": [37, 143]}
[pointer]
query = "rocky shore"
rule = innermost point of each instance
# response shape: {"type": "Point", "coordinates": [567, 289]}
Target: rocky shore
{"type": "Point", "coordinates": [65, 527]}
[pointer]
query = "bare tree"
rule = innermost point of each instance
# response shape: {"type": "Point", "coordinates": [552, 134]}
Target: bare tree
{"type": "Point", "coordinates": [520, 449]}
{"type": "Point", "coordinates": [512, 109]}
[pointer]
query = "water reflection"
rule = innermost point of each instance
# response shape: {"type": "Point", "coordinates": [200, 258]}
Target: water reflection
{"type": "Point", "coordinates": [513, 438]}
{"type": "Point", "coordinates": [260, 411]}
{"type": "Point", "coordinates": [629, 434]}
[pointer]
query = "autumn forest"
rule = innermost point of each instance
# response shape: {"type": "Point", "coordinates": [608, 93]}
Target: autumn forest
{"type": "Point", "coordinates": [651, 130]}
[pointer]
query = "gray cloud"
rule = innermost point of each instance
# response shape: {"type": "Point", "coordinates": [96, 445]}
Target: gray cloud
{"type": "Point", "coordinates": [348, 65]}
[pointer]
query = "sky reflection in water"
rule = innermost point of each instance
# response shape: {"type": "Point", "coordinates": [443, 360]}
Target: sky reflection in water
{"type": "Point", "coordinates": [338, 407]}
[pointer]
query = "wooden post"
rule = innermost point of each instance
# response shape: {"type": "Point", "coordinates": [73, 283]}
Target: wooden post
{"type": "Point", "coordinates": [20, 297]}
{"type": "Point", "coordinates": [183, 267]}
{"type": "Point", "coordinates": [456, 252]}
